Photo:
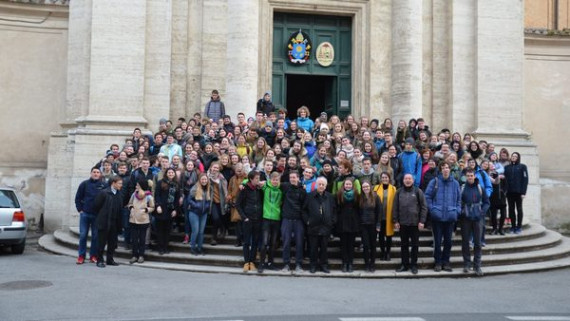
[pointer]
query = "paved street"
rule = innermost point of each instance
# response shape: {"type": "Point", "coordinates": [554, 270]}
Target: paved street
{"type": "Point", "coordinates": [41, 286]}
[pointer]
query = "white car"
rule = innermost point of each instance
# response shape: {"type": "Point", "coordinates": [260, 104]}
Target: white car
{"type": "Point", "coordinates": [13, 226]}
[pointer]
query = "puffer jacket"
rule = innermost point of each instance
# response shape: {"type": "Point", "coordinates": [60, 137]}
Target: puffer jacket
{"type": "Point", "coordinates": [475, 202]}
{"type": "Point", "coordinates": [197, 206]}
{"type": "Point", "coordinates": [305, 123]}
{"type": "Point", "coordinates": [411, 164]}
{"type": "Point", "coordinates": [140, 209]}
{"type": "Point", "coordinates": [443, 197]}
{"type": "Point", "coordinates": [408, 209]}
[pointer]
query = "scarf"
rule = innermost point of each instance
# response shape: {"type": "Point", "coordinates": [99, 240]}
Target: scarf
{"type": "Point", "coordinates": [214, 178]}
{"type": "Point", "coordinates": [348, 195]}
{"type": "Point", "coordinates": [146, 193]}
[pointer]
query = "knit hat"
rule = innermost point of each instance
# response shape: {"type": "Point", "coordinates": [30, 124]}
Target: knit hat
{"type": "Point", "coordinates": [323, 125]}
{"type": "Point", "coordinates": [162, 121]}
{"type": "Point", "coordinates": [410, 141]}
{"type": "Point", "coordinates": [327, 161]}
{"type": "Point", "coordinates": [268, 124]}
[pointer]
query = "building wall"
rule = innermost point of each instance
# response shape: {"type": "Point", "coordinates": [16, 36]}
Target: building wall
{"type": "Point", "coordinates": [541, 14]}
{"type": "Point", "coordinates": [33, 69]}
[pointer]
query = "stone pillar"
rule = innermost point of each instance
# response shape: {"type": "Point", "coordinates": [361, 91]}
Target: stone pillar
{"type": "Point", "coordinates": [441, 40]}
{"type": "Point", "coordinates": [242, 57]}
{"type": "Point", "coordinates": [407, 67]}
{"type": "Point", "coordinates": [158, 58]}
{"type": "Point", "coordinates": [106, 73]}
{"type": "Point", "coordinates": [500, 53]}
{"type": "Point", "coordinates": [380, 58]}
{"type": "Point", "coordinates": [463, 55]}
{"type": "Point", "coordinates": [117, 63]}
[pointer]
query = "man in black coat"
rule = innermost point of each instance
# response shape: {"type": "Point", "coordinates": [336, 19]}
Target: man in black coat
{"type": "Point", "coordinates": [292, 220]}
{"type": "Point", "coordinates": [319, 214]}
{"type": "Point", "coordinates": [108, 205]}
{"type": "Point", "coordinates": [250, 207]}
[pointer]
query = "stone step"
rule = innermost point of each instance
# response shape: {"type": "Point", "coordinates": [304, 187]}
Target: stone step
{"type": "Point", "coordinates": [535, 251]}
{"type": "Point", "coordinates": [50, 244]}
{"type": "Point", "coordinates": [530, 231]}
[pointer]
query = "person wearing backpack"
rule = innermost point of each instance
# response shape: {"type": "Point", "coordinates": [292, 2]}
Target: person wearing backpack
{"type": "Point", "coordinates": [443, 198]}
{"type": "Point", "coordinates": [475, 204]}
{"type": "Point", "coordinates": [409, 216]}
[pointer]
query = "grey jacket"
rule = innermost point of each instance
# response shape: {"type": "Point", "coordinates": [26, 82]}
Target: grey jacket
{"type": "Point", "coordinates": [408, 209]}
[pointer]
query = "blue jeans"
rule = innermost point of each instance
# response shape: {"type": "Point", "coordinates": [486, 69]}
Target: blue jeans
{"type": "Point", "coordinates": [187, 224]}
{"type": "Point", "coordinates": [87, 221]}
{"type": "Point", "coordinates": [290, 228]}
{"type": "Point", "coordinates": [198, 223]}
{"type": "Point", "coordinates": [126, 226]}
{"type": "Point", "coordinates": [442, 230]}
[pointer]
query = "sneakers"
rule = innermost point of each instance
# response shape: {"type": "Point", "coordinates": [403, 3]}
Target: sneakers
{"type": "Point", "coordinates": [447, 267]}
{"type": "Point", "coordinates": [437, 268]}
{"type": "Point", "coordinates": [133, 260]}
{"type": "Point", "coordinates": [478, 271]}
{"type": "Point", "coordinates": [141, 260]}
{"type": "Point", "coordinates": [93, 259]}
{"type": "Point", "coordinates": [298, 269]}
{"type": "Point", "coordinates": [186, 239]}
{"type": "Point", "coordinates": [80, 260]}
{"type": "Point", "coordinates": [245, 267]}
{"type": "Point", "coordinates": [286, 268]}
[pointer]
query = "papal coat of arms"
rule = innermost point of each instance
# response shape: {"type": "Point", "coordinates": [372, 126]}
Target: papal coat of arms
{"type": "Point", "coordinates": [299, 47]}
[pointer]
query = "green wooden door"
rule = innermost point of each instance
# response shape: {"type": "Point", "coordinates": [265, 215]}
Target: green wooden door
{"type": "Point", "coordinates": [333, 29]}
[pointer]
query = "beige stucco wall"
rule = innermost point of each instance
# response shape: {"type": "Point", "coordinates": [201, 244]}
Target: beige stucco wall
{"type": "Point", "coordinates": [33, 65]}
{"type": "Point", "coordinates": [547, 102]}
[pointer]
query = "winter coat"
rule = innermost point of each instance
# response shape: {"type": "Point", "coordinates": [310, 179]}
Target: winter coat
{"type": "Point", "coordinates": [337, 185]}
{"type": "Point", "coordinates": [516, 177]}
{"type": "Point", "coordinates": [429, 175]}
{"type": "Point", "coordinates": [293, 199]}
{"type": "Point", "coordinates": [140, 209]}
{"type": "Point", "coordinates": [411, 164]}
{"type": "Point", "coordinates": [87, 193]}
{"type": "Point", "coordinates": [167, 199]}
{"type": "Point", "coordinates": [208, 159]}
{"type": "Point", "coordinates": [408, 209]}
{"type": "Point", "coordinates": [108, 207]}
{"type": "Point", "coordinates": [233, 191]}
{"type": "Point", "coordinates": [371, 214]}
{"type": "Point", "coordinates": [348, 218]}
{"type": "Point", "coordinates": [498, 198]}
{"type": "Point", "coordinates": [214, 109]}
{"type": "Point", "coordinates": [135, 177]}
{"type": "Point", "coordinates": [443, 198]}
{"type": "Point", "coordinates": [250, 203]}
{"type": "Point", "coordinates": [389, 206]}
{"type": "Point", "coordinates": [199, 206]}
{"type": "Point", "coordinates": [310, 184]}
{"type": "Point", "coordinates": [319, 213]}
{"type": "Point", "coordinates": [265, 106]}
{"type": "Point", "coordinates": [305, 123]}
{"type": "Point", "coordinates": [272, 200]}
{"type": "Point", "coordinates": [475, 202]}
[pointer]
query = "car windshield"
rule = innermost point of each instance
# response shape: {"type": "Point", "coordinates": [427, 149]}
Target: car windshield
{"type": "Point", "coordinates": [8, 199]}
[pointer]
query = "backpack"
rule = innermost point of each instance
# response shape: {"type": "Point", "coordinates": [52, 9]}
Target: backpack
{"type": "Point", "coordinates": [474, 210]}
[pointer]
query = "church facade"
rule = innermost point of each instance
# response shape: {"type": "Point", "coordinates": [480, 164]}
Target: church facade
{"type": "Point", "coordinates": [112, 66]}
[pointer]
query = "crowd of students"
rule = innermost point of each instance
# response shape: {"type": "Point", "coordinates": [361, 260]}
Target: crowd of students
{"type": "Point", "coordinates": [276, 180]}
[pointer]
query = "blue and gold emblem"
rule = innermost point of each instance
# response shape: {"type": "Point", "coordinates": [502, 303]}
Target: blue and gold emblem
{"type": "Point", "coordinates": [299, 47]}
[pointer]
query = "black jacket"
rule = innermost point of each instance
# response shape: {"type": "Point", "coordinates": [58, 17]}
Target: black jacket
{"type": "Point", "coordinates": [516, 178]}
{"type": "Point", "coordinates": [293, 199]}
{"type": "Point", "coordinates": [347, 217]}
{"type": "Point", "coordinates": [135, 176]}
{"type": "Point", "coordinates": [250, 203]}
{"type": "Point", "coordinates": [372, 214]}
{"type": "Point", "coordinates": [167, 199]}
{"type": "Point", "coordinates": [319, 213]}
{"type": "Point", "coordinates": [265, 106]}
{"type": "Point", "coordinates": [108, 207]}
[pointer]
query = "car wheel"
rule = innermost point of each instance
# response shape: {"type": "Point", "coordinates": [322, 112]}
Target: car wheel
{"type": "Point", "coordinates": [19, 248]}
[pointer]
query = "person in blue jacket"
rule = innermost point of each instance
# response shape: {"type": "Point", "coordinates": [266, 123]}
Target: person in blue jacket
{"type": "Point", "coordinates": [443, 197]}
{"type": "Point", "coordinates": [303, 120]}
{"type": "Point", "coordinates": [411, 162]}
{"type": "Point", "coordinates": [475, 204]}
{"type": "Point", "coordinates": [516, 178]}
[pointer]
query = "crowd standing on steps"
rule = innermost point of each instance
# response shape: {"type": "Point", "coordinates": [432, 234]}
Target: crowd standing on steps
{"type": "Point", "coordinates": [299, 183]}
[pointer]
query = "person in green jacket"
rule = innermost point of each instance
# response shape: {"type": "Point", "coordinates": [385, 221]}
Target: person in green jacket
{"type": "Point", "coordinates": [272, 200]}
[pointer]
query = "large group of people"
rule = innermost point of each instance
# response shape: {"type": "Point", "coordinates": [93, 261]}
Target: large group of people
{"type": "Point", "coordinates": [299, 182]}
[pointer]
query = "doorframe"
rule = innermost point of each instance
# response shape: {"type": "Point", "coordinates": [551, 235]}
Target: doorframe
{"type": "Point", "coordinates": [358, 10]}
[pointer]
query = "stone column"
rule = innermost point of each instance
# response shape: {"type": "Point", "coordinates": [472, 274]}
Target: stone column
{"type": "Point", "coordinates": [407, 58]}
{"type": "Point", "coordinates": [463, 54]}
{"type": "Point", "coordinates": [242, 57]}
{"type": "Point", "coordinates": [500, 53]}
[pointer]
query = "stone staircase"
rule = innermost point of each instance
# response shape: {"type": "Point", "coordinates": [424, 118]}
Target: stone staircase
{"type": "Point", "coordinates": [536, 249]}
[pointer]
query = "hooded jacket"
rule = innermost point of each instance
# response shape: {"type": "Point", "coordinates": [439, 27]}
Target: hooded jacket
{"type": "Point", "coordinates": [215, 109]}
{"type": "Point", "coordinates": [306, 123]}
{"type": "Point", "coordinates": [411, 164]}
{"type": "Point", "coordinates": [408, 209]}
{"type": "Point", "coordinates": [272, 200]}
{"type": "Point", "coordinates": [475, 203]}
{"type": "Point", "coordinates": [293, 199]}
{"type": "Point", "coordinates": [516, 177]}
